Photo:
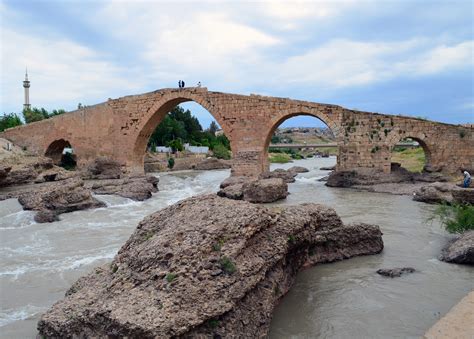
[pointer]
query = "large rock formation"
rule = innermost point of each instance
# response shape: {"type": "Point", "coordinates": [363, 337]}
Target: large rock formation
{"type": "Point", "coordinates": [436, 193]}
{"type": "Point", "coordinates": [54, 199]}
{"type": "Point", "coordinates": [369, 177]}
{"type": "Point", "coordinates": [205, 267]}
{"type": "Point", "coordinates": [137, 188]}
{"type": "Point", "coordinates": [461, 250]}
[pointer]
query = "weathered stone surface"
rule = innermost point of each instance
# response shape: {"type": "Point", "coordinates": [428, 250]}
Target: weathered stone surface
{"type": "Point", "coordinates": [103, 168]}
{"type": "Point", "coordinates": [137, 188]}
{"type": "Point", "coordinates": [461, 250]}
{"type": "Point", "coordinates": [370, 177]}
{"type": "Point", "coordinates": [211, 164]}
{"type": "Point", "coordinates": [205, 267]}
{"type": "Point", "coordinates": [235, 192]}
{"type": "Point", "coordinates": [233, 181]}
{"type": "Point", "coordinates": [395, 272]}
{"type": "Point", "coordinates": [287, 176]}
{"type": "Point", "coordinates": [436, 193]}
{"type": "Point", "coordinates": [24, 170]}
{"type": "Point", "coordinates": [298, 169]}
{"type": "Point", "coordinates": [120, 129]}
{"type": "Point", "coordinates": [328, 168]}
{"type": "Point", "coordinates": [265, 190]}
{"type": "Point", "coordinates": [54, 199]}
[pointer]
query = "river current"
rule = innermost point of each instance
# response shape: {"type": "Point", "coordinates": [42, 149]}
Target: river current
{"type": "Point", "coordinates": [39, 262]}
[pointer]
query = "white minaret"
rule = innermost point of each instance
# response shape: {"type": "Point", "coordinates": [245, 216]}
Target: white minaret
{"type": "Point", "coordinates": [26, 86]}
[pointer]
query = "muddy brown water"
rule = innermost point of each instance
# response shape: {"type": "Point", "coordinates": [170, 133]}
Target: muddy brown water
{"type": "Point", "coordinates": [38, 262]}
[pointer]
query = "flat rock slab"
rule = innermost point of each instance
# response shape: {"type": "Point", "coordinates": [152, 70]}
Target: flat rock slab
{"type": "Point", "coordinates": [206, 267]}
{"type": "Point", "coordinates": [395, 272]}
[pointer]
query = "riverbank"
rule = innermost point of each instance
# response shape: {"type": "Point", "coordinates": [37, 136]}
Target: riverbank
{"type": "Point", "coordinates": [344, 299]}
{"type": "Point", "coordinates": [457, 323]}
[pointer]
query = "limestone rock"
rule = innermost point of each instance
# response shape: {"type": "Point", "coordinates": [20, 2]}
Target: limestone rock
{"type": "Point", "coordinates": [103, 168]}
{"type": "Point", "coordinates": [461, 250]}
{"type": "Point", "coordinates": [265, 190]}
{"type": "Point", "coordinates": [395, 272]}
{"type": "Point", "coordinates": [287, 176]}
{"type": "Point", "coordinates": [341, 179]}
{"type": "Point", "coordinates": [211, 164]}
{"type": "Point", "coordinates": [137, 188]}
{"type": "Point", "coordinates": [54, 199]}
{"type": "Point", "coordinates": [235, 192]}
{"type": "Point", "coordinates": [205, 267]}
{"type": "Point", "coordinates": [297, 169]}
{"type": "Point", "coordinates": [233, 181]}
{"type": "Point", "coordinates": [436, 193]}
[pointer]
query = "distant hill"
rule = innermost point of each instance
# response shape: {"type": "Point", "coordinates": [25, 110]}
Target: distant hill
{"type": "Point", "coordinates": [300, 135]}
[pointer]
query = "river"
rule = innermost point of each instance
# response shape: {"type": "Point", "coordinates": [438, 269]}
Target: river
{"type": "Point", "coordinates": [38, 262]}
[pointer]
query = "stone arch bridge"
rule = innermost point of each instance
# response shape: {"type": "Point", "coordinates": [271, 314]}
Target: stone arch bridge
{"type": "Point", "coordinates": [120, 129]}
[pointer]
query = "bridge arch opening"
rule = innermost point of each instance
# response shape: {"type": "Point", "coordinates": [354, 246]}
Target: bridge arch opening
{"type": "Point", "coordinates": [412, 153]}
{"type": "Point", "coordinates": [183, 134]}
{"type": "Point", "coordinates": [300, 136]}
{"type": "Point", "coordinates": [62, 154]}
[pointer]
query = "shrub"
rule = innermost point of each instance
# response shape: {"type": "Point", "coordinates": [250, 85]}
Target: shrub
{"type": "Point", "coordinates": [227, 265]}
{"type": "Point", "coordinates": [456, 218]}
{"type": "Point", "coordinates": [281, 158]}
{"type": "Point", "coordinates": [68, 161]}
{"type": "Point", "coordinates": [170, 277]}
{"type": "Point", "coordinates": [221, 152]}
{"type": "Point", "coordinates": [170, 163]}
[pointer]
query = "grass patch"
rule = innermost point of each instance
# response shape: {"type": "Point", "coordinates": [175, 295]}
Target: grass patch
{"type": "Point", "coordinates": [227, 265]}
{"type": "Point", "coordinates": [412, 159]}
{"type": "Point", "coordinates": [280, 158]}
{"type": "Point", "coordinates": [456, 218]}
{"type": "Point", "coordinates": [170, 277]}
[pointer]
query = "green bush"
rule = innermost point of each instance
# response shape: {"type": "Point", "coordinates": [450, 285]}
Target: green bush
{"type": "Point", "coordinates": [170, 163]}
{"type": "Point", "coordinates": [280, 158]}
{"type": "Point", "coordinates": [456, 218]}
{"type": "Point", "coordinates": [221, 152]}
{"type": "Point", "coordinates": [68, 161]}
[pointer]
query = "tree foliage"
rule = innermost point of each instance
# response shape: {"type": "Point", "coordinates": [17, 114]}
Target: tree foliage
{"type": "Point", "coordinates": [37, 114]}
{"type": "Point", "coordinates": [9, 121]}
{"type": "Point", "coordinates": [180, 124]}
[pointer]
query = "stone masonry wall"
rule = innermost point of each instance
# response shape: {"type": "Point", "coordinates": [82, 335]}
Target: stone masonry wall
{"type": "Point", "coordinates": [120, 129]}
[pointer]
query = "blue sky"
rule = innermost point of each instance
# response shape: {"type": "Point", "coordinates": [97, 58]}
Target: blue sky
{"type": "Point", "coordinates": [401, 57]}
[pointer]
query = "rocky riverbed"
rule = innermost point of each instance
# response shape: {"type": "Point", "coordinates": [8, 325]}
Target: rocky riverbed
{"type": "Point", "coordinates": [342, 299]}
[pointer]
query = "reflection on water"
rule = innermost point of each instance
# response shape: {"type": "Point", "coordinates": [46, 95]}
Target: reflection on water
{"type": "Point", "coordinates": [347, 299]}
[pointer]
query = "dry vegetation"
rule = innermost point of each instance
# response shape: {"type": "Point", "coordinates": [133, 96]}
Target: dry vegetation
{"type": "Point", "coordinates": [412, 159]}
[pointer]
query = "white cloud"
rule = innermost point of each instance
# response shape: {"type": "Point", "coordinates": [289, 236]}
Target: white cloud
{"type": "Point", "coordinates": [62, 72]}
{"type": "Point", "coordinates": [343, 63]}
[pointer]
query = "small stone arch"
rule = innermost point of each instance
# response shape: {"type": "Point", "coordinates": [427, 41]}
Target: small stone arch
{"type": "Point", "coordinates": [420, 139]}
{"type": "Point", "coordinates": [277, 122]}
{"type": "Point", "coordinates": [55, 151]}
{"type": "Point", "coordinates": [156, 114]}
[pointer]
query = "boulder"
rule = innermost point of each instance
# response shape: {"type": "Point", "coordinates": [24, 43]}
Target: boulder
{"type": "Point", "coordinates": [265, 190]}
{"type": "Point", "coordinates": [287, 176]}
{"type": "Point", "coordinates": [136, 188]}
{"type": "Point", "coordinates": [235, 192]}
{"type": "Point", "coordinates": [329, 168]}
{"type": "Point", "coordinates": [211, 164]}
{"type": "Point", "coordinates": [103, 168]}
{"type": "Point", "coordinates": [233, 181]}
{"type": "Point", "coordinates": [205, 267]}
{"type": "Point", "coordinates": [461, 250]}
{"type": "Point", "coordinates": [341, 179]}
{"type": "Point", "coordinates": [54, 199]}
{"type": "Point", "coordinates": [297, 169]}
{"type": "Point", "coordinates": [395, 272]}
{"type": "Point", "coordinates": [437, 193]}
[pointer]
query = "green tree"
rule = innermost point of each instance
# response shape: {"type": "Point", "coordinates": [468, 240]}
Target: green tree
{"type": "Point", "coordinates": [213, 128]}
{"type": "Point", "coordinates": [9, 121]}
{"type": "Point", "coordinates": [37, 114]}
{"type": "Point", "coordinates": [176, 145]}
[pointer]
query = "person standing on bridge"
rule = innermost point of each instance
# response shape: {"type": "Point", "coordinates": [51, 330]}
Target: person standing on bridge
{"type": "Point", "coordinates": [467, 179]}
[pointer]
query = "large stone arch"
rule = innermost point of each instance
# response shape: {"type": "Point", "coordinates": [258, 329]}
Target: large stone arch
{"type": "Point", "coordinates": [428, 148]}
{"type": "Point", "coordinates": [55, 148]}
{"type": "Point", "coordinates": [277, 121]}
{"type": "Point", "coordinates": [155, 115]}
